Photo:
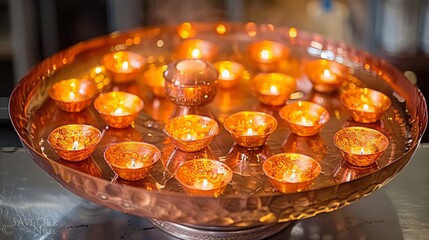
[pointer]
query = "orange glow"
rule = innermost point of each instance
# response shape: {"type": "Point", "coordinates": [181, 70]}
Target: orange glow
{"type": "Point", "coordinates": [293, 32]}
{"type": "Point", "coordinates": [73, 95]}
{"type": "Point", "coordinates": [196, 53]}
{"type": "Point", "coordinates": [230, 73]}
{"type": "Point", "coordinates": [360, 146]}
{"type": "Point", "coordinates": [291, 172]}
{"type": "Point", "coordinates": [185, 30]}
{"type": "Point", "coordinates": [221, 29]}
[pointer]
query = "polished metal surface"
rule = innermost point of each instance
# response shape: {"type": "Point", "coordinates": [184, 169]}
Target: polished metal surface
{"type": "Point", "coordinates": [249, 200]}
{"type": "Point", "coordinates": [33, 206]}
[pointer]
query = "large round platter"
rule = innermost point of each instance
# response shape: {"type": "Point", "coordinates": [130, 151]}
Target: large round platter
{"type": "Point", "coordinates": [249, 199]}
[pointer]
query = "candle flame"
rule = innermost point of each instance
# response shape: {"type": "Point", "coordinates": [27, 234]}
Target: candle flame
{"type": "Point", "coordinates": [303, 120]}
{"type": "Point", "coordinates": [226, 74]}
{"type": "Point", "coordinates": [365, 107]}
{"type": "Point", "coordinates": [196, 53]}
{"type": "Point", "coordinates": [362, 151]}
{"type": "Point", "coordinates": [133, 163]}
{"type": "Point", "coordinates": [328, 76]}
{"type": "Point", "coordinates": [72, 96]}
{"type": "Point", "coordinates": [124, 65]}
{"type": "Point", "coordinates": [118, 111]}
{"type": "Point", "coordinates": [274, 90]}
{"type": "Point", "coordinates": [265, 54]}
{"type": "Point", "coordinates": [75, 145]}
{"type": "Point", "coordinates": [205, 184]}
{"type": "Point", "coordinates": [249, 132]}
{"type": "Point", "coordinates": [189, 137]}
{"type": "Point", "coordinates": [327, 73]}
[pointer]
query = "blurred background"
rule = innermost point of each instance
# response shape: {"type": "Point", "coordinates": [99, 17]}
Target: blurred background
{"type": "Point", "coordinates": [32, 30]}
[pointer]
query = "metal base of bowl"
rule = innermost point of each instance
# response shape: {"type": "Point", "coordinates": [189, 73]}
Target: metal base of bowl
{"type": "Point", "coordinates": [196, 232]}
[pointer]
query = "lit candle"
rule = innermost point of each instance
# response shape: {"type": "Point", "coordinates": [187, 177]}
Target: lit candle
{"type": "Point", "coordinates": [73, 95]}
{"type": "Point", "coordinates": [132, 161]}
{"type": "Point", "coordinates": [203, 184]}
{"type": "Point", "coordinates": [118, 109]}
{"type": "Point", "coordinates": [189, 137]}
{"type": "Point", "coordinates": [134, 165]}
{"type": "Point", "coordinates": [367, 108]}
{"type": "Point", "coordinates": [191, 133]}
{"type": "Point", "coordinates": [273, 88]}
{"type": "Point", "coordinates": [196, 49]}
{"type": "Point", "coordinates": [292, 177]}
{"type": "Point", "coordinates": [123, 66]}
{"type": "Point", "coordinates": [360, 146]}
{"type": "Point", "coordinates": [250, 129]}
{"type": "Point", "coordinates": [76, 146]}
{"type": "Point", "coordinates": [327, 76]}
{"type": "Point", "coordinates": [230, 73]}
{"type": "Point", "coordinates": [74, 142]}
{"type": "Point", "coordinates": [305, 122]}
{"type": "Point", "coordinates": [265, 55]}
{"type": "Point", "coordinates": [225, 74]}
{"type": "Point", "coordinates": [304, 118]}
{"type": "Point", "coordinates": [361, 150]}
{"type": "Point", "coordinates": [120, 112]}
{"type": "Point", "coordinates": [250, 132]}
{"type": "Point", "coordinates": [196, 53]}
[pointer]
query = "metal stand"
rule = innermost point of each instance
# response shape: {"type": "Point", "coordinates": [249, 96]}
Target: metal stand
{"type": "Point", "coordinates": [196, 232]}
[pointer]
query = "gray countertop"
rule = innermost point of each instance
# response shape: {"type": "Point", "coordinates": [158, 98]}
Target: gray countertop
{"type": "Point", "coordinates": [33, 206]}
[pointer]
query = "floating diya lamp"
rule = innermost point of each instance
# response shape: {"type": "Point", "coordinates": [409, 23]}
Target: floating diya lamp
{"type": "Point", "coordinates": [74, 142]}
{"type": "Point", "coordinates": [250, 129]}
{"type": "Point", "coordinates": [118, 109]}
{"type": "Point", "coordinates": [191, 133]}
{"type": "Point", "coordinates": [204, 177]}
{"type": "Point", "coordinates": [326, 75]}
{"type": "Point", "coordinates": [304, 118]}
{"type": "Point", "coordinates": [360, 146]}
{"type": "Point", "coordinates": [291, 172]}
{"type": "Point", "coordinates": [73, 95]}
{"type": "Point", "coordinates": [123, 66]}
{"type": "Point", "coordinates": [230, 73]}
{"type": "Point", "coordinates": [365, 105]}
{"type": "Point", "coordinates": [154, 79]}
{"type": "Point", "coordinates": [196, 49]}
{"type": "Point", "coordinates": [132, 161]}
{"type": "Point", "coordinates": [268, 54]}
{"type": "Point", "coordinates": [273, 88]}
